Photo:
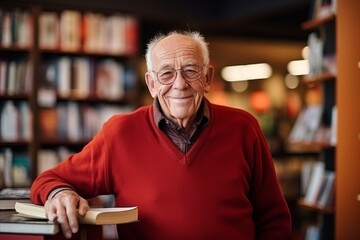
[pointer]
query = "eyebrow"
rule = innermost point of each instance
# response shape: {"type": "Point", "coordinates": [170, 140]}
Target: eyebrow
{"type": "Point", "coordinates": [167, 66]}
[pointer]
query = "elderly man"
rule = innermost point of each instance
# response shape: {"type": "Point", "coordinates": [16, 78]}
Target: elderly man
{"type": "Point", "coordinates": [195, 170]}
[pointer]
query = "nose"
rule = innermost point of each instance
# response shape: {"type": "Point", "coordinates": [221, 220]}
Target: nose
{"type": "Point", "coordinates": [179, 81]}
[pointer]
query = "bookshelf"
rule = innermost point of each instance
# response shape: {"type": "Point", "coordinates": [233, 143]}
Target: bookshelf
{"type": "Point", "coordinates": [315, 128]}
{"type": "Point", "coordinates": [63, 72]}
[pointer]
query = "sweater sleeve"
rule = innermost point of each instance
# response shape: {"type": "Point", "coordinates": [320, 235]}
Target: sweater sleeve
{"type": "Point", "coordinates": [85, 172]}
{"type": "Point", "coordinates": [271, 213]}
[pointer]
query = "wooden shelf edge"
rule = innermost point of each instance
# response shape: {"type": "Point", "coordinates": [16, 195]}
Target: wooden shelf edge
{"type": "Point", "coordinates": [15, 143]}
{"type": "Point", "coordinates": [308, 146]}
{"type": "Point", "coordinates": [327, 210]}
{"type": "Point", "coordinates": [63, 142]}
{"type": "Point", "coordinates": [314, 78]}
{"type": "Point", "coordinates": [16, 96]}
{"type": "Point", "coordinates": [87, 53]}
{"type": "Point", "coordinates": [14, 48]}
{"type": "Point", "coordinates": [316, 22]}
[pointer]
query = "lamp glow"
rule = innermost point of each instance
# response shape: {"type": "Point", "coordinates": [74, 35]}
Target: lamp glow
{"type": "Point", "coordinates": [246, 72]}
{"type": "Point", "coordinates": [298, 67]}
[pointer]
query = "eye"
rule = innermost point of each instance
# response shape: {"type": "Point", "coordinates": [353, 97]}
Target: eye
{"type": "Point", "coordinates": [167, 73]}
{"type": "Point", "coordinates": [190, 71]}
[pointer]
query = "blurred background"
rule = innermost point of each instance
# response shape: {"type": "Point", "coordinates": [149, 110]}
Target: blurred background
{"type": "Point", "coordinates": [67, 66]}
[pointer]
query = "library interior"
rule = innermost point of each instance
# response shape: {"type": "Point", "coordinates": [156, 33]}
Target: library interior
{"type": "Point", "coordinates": [67, 66]}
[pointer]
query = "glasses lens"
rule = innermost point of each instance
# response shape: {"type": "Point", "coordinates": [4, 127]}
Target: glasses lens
{"type": "Point", "coordinates": [189, 73]}
{"type": "Point", "coordinates": [167, 76]}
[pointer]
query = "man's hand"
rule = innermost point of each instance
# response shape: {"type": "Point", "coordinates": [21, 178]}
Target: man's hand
{"type": "Point", "coordinates": [64, 208]}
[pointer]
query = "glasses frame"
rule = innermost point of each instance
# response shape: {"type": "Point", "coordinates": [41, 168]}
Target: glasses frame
{"type": "Point", "coordinates": [201, 68]}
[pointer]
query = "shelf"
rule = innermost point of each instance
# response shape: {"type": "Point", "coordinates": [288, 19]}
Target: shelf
{"type": "Point", "coordinates": [94, 99]}
{"type": "Point", "coordinates": [15, 49]}
{"type": "Point", "coordinates": [63, 142]}
{"type": "Point", "coordinates": [17, 96]}
{"type": "Point", "coordinates": [15, 143]}
{"type": "Point", "coordinates": [85, 53]}
{"type": "Point", "coordinates": [326, 210]}
{"type": "Point", "coordinates": [308, 146]}
{"type": "Point", "coordinates": [314, 78]}
{"type": "Point", "coordinates": [316, 22]}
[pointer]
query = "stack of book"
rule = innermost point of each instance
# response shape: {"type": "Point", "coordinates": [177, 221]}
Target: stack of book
{"type": "Point", "coordinates": [23, 217]}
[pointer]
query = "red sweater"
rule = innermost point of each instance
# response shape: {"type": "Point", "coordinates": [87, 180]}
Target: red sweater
{"type": "Point", "coordinates": [225, 187]}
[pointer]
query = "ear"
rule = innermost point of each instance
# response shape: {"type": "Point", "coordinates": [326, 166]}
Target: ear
{"type": "Point", "coordinates": [209, 78]}
{"type": "Point", "coordinates": [150, 82]}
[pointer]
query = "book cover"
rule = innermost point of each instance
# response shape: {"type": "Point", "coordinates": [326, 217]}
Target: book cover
{"type": "Point", "coordinates": [9, 196]}
{"type": "Point", "coordinates": [96, 216]}
{"type": "Point", "coordinates": [11, 222]}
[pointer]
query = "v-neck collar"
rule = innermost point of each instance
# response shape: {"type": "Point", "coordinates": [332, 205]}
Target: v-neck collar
{"type": "Point", "coordinates": [174, 152]}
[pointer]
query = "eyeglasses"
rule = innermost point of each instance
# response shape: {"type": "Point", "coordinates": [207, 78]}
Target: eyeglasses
{"type": "Point", "coordinates": [190, 73]}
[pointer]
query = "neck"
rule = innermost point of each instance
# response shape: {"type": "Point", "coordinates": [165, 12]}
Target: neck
{"type": "Point", "coordinates": [185, 124]}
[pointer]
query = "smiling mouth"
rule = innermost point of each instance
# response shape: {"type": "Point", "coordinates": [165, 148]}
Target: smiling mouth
{"type": "Point", "coordinates": [180, 98]}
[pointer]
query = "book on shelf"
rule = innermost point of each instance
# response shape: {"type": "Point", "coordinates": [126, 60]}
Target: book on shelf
{"type": "Point", "coordinates": [305, 174]}
{"type": "Point", "coordinates": [48, 123]}
{"type": "Point", "coordinates": [49, 32]}
{"type": "Point", "coordinates": [47, 158]}
{"type": "Point", "coordinates": [16, 27]}
{"type": "Point", "coordinates": [315, 183]}
{"type": "Point", "coordinates": [70, 29]}
{"type": "Point", "coordinates": [326, 196]}
{"type": "Point", "coordinates": [96, 216]}
{"type": "Point", "coordinates": [9, 196]}
{"type": "Point", "coordinates": [14, 168]}
{"type": "Point", "coordinates": [322, 8]}
{"type": "Point", "coordinates": [307, 125]}
{"type": "Point", "coordinates": [15, 120]}
{"type": "Point", "coordinates": [21, 168]}
{"type": "Point", "coordinates": [6, 27]}
{"type": "Point", "coordinates": [333, 127]}
{"type": "Point", "coordinates": [312, 232]}
{"type": "Point", "coordinates": [11, 222]}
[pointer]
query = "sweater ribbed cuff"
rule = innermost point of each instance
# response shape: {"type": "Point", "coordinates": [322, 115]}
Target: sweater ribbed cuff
{"type": "Point", "coordinates": [56, 191]}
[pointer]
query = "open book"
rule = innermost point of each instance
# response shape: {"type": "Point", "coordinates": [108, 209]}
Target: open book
{"type": "Point", "coordinates": [97, 216]}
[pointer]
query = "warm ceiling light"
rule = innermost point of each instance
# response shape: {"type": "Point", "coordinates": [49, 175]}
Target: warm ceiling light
{"type": "Point", "coordinates": [298, 67]}
{"type": "Point", "coordinates": [246, 72]}
{"type": "Point", "coordinates": [305, 52]}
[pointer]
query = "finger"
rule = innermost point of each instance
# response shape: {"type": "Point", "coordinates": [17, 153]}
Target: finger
{"type": "Point", "coordinates": [63, 221]}
{"type": "Point", "coordinates": [83, 206]}
{"type": "Point", "coordinates": [50, 211]}
{"type": "Point", "coordinates": [72, 214]}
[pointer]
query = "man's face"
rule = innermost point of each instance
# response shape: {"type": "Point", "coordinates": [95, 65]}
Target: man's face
{"type": "Point", "coordinates": [181, 99]}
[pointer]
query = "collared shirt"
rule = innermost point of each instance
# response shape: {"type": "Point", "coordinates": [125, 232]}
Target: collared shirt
{"type": "Point", "coordinates": [177, 134]}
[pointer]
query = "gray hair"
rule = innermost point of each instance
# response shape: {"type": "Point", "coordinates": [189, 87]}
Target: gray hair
{"type": "Point", "coordinates": [194, 35]}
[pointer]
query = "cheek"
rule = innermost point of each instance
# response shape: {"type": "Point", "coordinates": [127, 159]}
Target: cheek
{"type": "Point", "coordinates": [199, 87]}
{"type": "Point", "coordinates": [161, 90]}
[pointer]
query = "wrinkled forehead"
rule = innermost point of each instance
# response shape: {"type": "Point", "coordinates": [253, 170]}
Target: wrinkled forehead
{"type": "Point", "coordinates": [176, 47]}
